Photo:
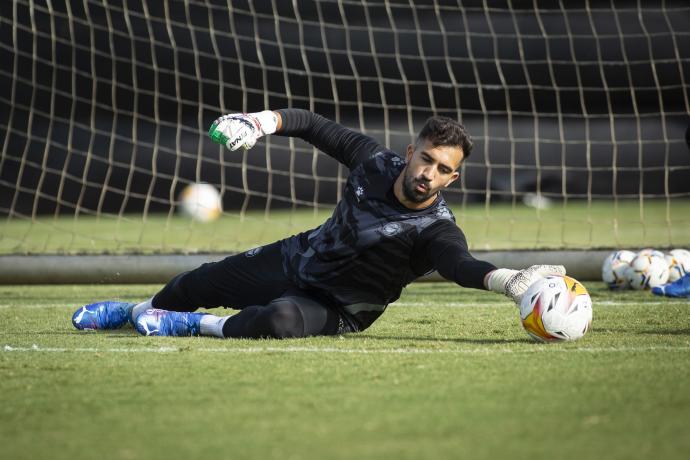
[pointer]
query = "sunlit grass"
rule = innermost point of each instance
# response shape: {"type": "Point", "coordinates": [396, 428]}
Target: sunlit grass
{"type": "Point", "coordinates": [575, 224]}
{"type": "Point", "coordinates": [445, 373]}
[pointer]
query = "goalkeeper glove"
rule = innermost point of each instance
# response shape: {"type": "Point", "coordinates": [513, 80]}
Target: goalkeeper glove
{"type": "Point", "coordinates": [514, 283]}
{"type": "Point", "coordinates": [242, 129]}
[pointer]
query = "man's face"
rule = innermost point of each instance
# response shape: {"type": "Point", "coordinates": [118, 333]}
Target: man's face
{"type": "Point", "coordinates": [429, 169]}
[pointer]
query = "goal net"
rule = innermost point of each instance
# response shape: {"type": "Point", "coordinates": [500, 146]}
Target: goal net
{"type": "Point", "coordinates": [578, 111]}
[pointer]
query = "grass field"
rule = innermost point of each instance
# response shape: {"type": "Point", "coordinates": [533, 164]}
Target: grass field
{"type": "Point", "coordinates": [576, 224]}
{"type": "Point", "coordinates": [445, 373]}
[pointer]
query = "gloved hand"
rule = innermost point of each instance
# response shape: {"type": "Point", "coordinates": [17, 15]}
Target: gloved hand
{"type": "Point", "coordinates": [514, 283]}
{"type": "Point", "coordinates": [242, 129]}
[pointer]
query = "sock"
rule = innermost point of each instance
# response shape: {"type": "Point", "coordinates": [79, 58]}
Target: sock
{"type": "Point", "coordinates": [212, 325]}
{"type": "Point", "coordinates": [141, 308]}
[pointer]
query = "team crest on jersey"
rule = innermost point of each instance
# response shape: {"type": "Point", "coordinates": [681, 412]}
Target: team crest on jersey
{"type": "Point", "coordinates": [391, 228]}
{"type": "Point", "coordinates": [252, 252]}
{"type": "Point", "coordinates": [443, 212]}
{"type": "Point", "coordinates": [359, 192]}
{"type": "Point", "coordinates": [397, 161]}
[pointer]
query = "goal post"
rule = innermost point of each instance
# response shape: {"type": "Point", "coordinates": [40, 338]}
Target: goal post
{"type": "Point", "coordinates": [156, 269]}
{"type": "Point", "coordinates": [578, 111]}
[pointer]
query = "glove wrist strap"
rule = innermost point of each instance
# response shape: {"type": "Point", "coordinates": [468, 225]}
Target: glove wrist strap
{"type": "Point", "coordinates": [267, 121]}
{"type": "Point", "coordinates": [498, 279]}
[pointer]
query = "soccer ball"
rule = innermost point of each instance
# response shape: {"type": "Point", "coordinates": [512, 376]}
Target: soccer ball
{"type": "Point", "coordinates": [678, 262]}
{"type": "Point", "coordinates": [201, 202]}
{"type": "Point", "coordinates": [556, 308]}
{"type": "Point", "coordinates": [650, 252]}
{"type": "Point", "coordinates": [614, 267]}
{"type": "Point", "coordinates": [647, 271]}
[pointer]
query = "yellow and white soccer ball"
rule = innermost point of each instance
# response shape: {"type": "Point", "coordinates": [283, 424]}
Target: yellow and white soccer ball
{"type": "Point", "coordinates": [555, 309]}
{"type": "Point", "coordinates": [200, 202]}
{"type": "Point", "coordinates": [678, 262]}
{"type": "Point", "coordinates": [650, 252]}
{"type": "Point", "coordinates": [647, 270]}
{"type": "Point", "coordinates": [614, 268]}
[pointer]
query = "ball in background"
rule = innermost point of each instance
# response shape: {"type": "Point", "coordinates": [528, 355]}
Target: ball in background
{"type": "Point", "coordinates": [614, 267]}
{"type": "Point", "coordinates": [201, 202]}
{"type": "Point", "coordinates": [647, 271]}
{"type": "Point", "coordinates": [678, 262]}
{"type": "Point", "coordinates": [556, 309]}
{"type": "Point", "coordinates": [650, 252]}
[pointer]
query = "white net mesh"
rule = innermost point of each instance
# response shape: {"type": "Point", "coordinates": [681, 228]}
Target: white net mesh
{"type": "Point", "coordinates": [578, 111]}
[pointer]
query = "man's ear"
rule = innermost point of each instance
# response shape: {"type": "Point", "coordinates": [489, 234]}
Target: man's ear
{"type": "Point", "coordinates": [410, 151]}
{"type": "Point", "coordinates": [455, 176]}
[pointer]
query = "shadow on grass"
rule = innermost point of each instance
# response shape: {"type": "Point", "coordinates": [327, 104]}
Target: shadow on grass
{"type": "Point", "coordinates": [632, 330]}
{"type": "Point", "coordinates": [448, 340]}
{"type": "Point", "coordinates": [667, 331]}
{"type": "Point", "coordinates": [130, 333]}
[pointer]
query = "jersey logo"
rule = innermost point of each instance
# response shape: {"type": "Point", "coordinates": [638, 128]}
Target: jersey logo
{"type": "Point", "coordinates": [443, 212]}
{"type": "Point", "coordinates": [397, 161]}
{"type": "Point", "coordinates": [359, 192]}
{"type": "Point", "coordinates": [253, 252]}
{"type": "Point", "coordinates": [391, 228]}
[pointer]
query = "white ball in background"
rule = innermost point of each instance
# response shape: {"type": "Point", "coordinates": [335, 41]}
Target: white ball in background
{"type": "Point", "coordinates": [647, 271]}
{"type": "Point", "coordinates": [650, 252]}
{"type": "Point", "coordinates": [200, 202]}
{"type": "Point", "coordinates": [614, 268]}
{"type": "Point", "coordinates": [678, 264]}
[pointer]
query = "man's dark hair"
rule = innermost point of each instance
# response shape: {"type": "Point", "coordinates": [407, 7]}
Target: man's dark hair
{"type": "Point", "coordinates": [442, 131]}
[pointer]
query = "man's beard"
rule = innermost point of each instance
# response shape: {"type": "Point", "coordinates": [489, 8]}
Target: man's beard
{"type": "Point", "coordinates": [409, 187]}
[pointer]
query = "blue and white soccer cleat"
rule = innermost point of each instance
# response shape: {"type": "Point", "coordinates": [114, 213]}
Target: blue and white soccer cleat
{"type": "Point", "coordinates": [103, 315]}
{"type": "Point", "coordinates": [679, 288]}
{"type": "Point", "coordinates": [170, 323]}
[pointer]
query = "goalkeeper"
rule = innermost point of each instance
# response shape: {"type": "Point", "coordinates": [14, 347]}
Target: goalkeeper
{"type": "Point", "coordinates": [391, 226]}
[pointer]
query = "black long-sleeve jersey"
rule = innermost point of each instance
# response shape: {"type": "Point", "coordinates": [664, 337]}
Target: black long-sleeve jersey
{"type": "Point", "coordinates": [372, 246]}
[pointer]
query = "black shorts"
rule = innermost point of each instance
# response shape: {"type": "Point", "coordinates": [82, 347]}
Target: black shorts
{"type": "Point", "coordinates": [254, 281]}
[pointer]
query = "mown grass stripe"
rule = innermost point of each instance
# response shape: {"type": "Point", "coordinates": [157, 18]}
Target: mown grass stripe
{"type": "Point", "coordinates": [435, 304]}
{"type": "Point", "coordinates": [478, 350]}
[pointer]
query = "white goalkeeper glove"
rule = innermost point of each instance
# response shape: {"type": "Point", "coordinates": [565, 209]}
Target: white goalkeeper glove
{"type": "Point", "coordinates": [514, 283]}
{"type": "Point", "coordinates": [242, 129]}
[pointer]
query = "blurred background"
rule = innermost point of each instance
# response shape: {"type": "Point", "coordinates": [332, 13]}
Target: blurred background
{"type": "Point", "coordinates": [104, 105]}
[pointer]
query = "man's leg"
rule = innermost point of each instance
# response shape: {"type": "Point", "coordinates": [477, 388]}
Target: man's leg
{"type": "Point", "coordinates": [254, 277]}
{"type": "Point", "coordinates": [288, 316]}
{"type": "Point", "coordinates": [250, 278]}
{"type": "Point", "coordinates": [284, 317]}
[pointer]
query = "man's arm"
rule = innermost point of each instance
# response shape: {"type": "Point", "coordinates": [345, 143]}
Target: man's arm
{"type": "Point", "coordinates": [446, 248]}
{"type": "Point", "coordinates": [345, 145]}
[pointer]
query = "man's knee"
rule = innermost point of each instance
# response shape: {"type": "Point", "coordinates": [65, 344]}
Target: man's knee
{"type": "Point", "coordinates": [283, 319]}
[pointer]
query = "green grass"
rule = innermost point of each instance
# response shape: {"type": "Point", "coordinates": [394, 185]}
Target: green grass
{"type": "Point", "coordinates": [575, 224]}
{"type": "Point", "coordinates": [445, 373]}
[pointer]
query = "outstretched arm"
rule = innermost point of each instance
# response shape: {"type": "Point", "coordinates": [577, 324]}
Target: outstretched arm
{"type": "Point", "coordinates": [243, 130]}
{"type": "Point", "coordinates": [446, 248]}
{"type": "Point", "coordinates": [345, 145]}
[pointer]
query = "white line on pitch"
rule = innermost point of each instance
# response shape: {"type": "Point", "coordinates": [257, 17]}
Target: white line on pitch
{"type": "Point", "coordinates": [480, 350]}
